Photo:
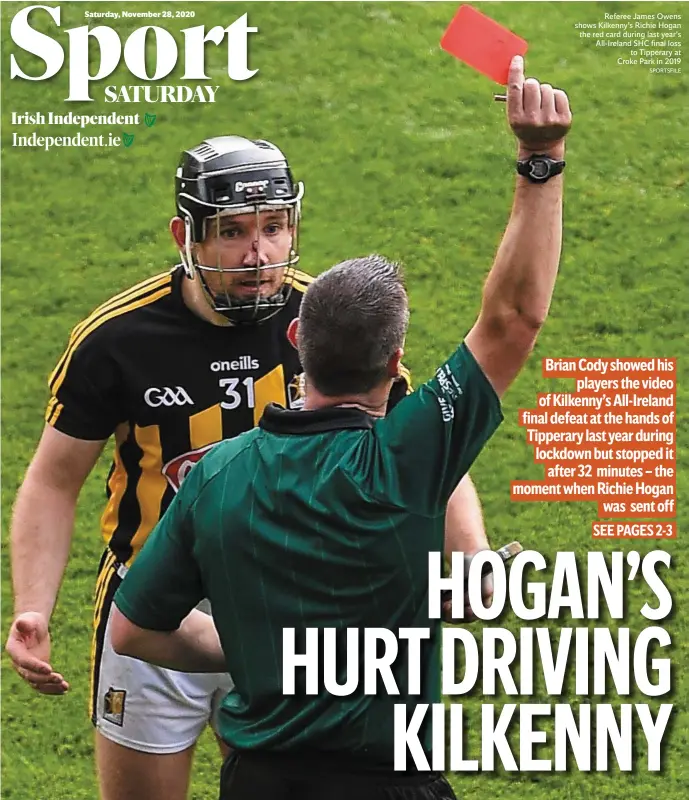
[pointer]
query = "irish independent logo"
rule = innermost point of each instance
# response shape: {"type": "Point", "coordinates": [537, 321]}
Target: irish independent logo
{"type": "Point", "coordinates": [113, 709]}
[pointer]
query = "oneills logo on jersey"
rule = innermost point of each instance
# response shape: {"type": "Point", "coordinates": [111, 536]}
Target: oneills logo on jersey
{"type": "Point", "coordinates": [176, 471]}
{"type": "Point", "coordinates": [113, 706]}
{"type": "Point", "coordinates": [243, 362]}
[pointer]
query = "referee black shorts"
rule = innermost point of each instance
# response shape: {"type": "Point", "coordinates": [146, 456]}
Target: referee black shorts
{"type": "Point", "coordinates": [319, 776]}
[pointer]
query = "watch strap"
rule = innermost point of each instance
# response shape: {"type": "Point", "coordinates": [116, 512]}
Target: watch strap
{"type": "Point", "coordinates": [539, 167]}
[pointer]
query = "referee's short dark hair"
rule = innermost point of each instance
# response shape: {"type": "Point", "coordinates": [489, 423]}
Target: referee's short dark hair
{"type": "Point", "coordinates": [352, 319]}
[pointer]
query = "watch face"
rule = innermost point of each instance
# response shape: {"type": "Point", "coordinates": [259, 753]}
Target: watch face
{"type": "Point", "coordinates": [539, 169]}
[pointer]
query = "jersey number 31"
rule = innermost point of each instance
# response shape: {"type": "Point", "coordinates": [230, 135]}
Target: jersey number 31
{"type": "Point", "coordinates": [234, 394]}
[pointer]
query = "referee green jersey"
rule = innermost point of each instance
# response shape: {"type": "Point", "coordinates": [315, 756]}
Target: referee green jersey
{"type": "Point", "coordinates": [316, 519]}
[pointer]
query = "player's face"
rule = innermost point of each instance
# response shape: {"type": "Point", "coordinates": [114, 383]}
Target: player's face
{"type": "Point", "coordinates": [240, 244]}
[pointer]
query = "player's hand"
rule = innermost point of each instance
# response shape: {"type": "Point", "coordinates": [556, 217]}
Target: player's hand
{"type": "Point", "coordinates": [469, 615]}
{"type": "Point", "coordinates": [538, 114]}
{"type": "Point", "coordinates": [28, 645]}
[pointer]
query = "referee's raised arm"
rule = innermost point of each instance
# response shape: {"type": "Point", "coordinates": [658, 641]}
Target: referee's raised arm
{"type": "Point", "coordinates": [519, 288]}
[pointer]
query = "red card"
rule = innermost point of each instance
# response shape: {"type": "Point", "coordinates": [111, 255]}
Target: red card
{"type": "Point", "coordinates": [481, 43]}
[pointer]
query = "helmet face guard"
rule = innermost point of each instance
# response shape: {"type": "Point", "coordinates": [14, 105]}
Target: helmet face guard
{"type": "Point", "coordinates": [230, 175]}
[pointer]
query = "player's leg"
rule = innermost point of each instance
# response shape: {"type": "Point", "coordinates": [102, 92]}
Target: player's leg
{"type": "Point", "coordinates": [225, 749]}
{"type": "Point", "coordinates": [225, 683]}
{"type": "Point", "coordinates": [126, 774]}
{"type": "Point", "coordinates": [148, 718]}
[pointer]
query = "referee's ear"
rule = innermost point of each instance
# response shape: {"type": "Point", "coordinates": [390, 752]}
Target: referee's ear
{"type": "Point", "coordinates": [292, 330]}
{"type": "Point", "coordinates": [394, 363]}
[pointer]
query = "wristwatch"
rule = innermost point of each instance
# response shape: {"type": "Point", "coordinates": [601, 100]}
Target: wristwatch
{"type": "Point", "coordinates": [540, 168]}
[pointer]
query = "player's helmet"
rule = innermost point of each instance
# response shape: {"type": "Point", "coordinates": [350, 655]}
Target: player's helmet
{"type": "Point", "coordinates": [233, 175]}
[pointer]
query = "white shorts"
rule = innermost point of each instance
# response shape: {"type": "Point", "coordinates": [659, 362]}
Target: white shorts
{"type": "Point", "coordinates": [136, 704]}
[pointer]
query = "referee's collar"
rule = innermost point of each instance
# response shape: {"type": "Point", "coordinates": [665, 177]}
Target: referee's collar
{"type": "Point", "coordinates": [276, 419]}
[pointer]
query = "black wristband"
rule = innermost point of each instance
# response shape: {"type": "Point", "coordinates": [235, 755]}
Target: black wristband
{"type": "Point", "coordinates": [540, 168]}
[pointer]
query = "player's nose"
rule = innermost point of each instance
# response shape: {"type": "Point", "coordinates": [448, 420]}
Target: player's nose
{"type": "Point", "coordinates": [254, 255]}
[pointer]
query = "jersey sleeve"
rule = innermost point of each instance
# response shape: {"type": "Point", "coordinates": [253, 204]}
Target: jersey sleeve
{"type": "Point", "coordinates": [85, 389]}
{"type": "Point", "coordinates": [164, 583]}
{"type": "Point", "coordinates": [430, 439]}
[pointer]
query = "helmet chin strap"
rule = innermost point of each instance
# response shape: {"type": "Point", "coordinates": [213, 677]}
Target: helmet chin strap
{"type": "Point", "coordinates": [185, 252]}
{"type": "Point", "coordinates": [196, 298]}
{"type": "Point", "coordinates": [194, 290]}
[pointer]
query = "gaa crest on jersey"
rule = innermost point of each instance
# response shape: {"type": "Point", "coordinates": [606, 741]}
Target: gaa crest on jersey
{"type": "Point", "coordinates": [176, 470]}
{"type": "Point", "coordinates": [296, 392]}
{"type": "Point", "coordinates": [167, 396]}
{"type": "Point", "coordinates": [113, 706]}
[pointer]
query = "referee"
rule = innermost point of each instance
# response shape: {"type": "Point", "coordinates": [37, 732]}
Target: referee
{"type": "Point", "coordinates": [323, 518]}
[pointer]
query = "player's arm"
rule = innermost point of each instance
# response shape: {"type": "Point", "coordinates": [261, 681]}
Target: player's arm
{"type": "Point", "coordinates": [464, 529]}
{"type": "Point", "coordinates": [40, 538]}
{"type": "Point", "coordinates": [193, 647]}
{"type": "Point", "coordinates": [519, 288]}
{"type": "Point", "coordinates": [465, 533]}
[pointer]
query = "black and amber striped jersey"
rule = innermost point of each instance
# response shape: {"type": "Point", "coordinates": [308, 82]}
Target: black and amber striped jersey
{"type": "Point", "coordinates": [168, 385]}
